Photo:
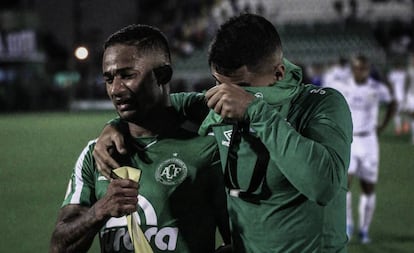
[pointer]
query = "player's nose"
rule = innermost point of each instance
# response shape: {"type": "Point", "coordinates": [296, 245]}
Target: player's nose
{"type": "Point", "coordinates": [118, 86]}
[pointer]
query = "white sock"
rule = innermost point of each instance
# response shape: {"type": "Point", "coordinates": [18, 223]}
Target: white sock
{"type": "Point", "coordinates": [349, 219]}
{"type": "Point", "coordinates": [366, 211]}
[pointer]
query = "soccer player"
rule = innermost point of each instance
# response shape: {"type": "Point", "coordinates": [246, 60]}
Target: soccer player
{"type": "Point", "coordinates": [284, 146]}
{"type": "Point", "coordinates": [181, 199]}
{"type": "Point", "coordinates": [364, 95]}
{"type": "Point", "coordinates": [397, 77]}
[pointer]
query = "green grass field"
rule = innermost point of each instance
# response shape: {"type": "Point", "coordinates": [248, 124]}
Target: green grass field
{"type": "Point", "coordinates": [39, 150]}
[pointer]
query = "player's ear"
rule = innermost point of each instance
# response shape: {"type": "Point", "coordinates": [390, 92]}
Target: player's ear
{"type": "Point", "coordinates": [163, 74]}
{"type": "Point", "coordinates": [279, 71]}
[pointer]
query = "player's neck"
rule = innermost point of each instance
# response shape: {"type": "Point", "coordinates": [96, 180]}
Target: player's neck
{"type": "Point", "coordinates": [361, 82]}
{"type": "Point", "coordinates": [138, 131]}
{"type": "Point", "coordinates": [163, 122]}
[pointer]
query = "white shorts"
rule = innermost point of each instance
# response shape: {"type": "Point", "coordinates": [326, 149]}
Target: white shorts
{"type": "Point", "coordinates": [365, 158]}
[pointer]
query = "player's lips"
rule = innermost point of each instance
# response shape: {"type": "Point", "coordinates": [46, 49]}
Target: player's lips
{"type": "Point", "coordinates": [123, 107]}
{"type": "Point", "coordinates": [122, 104]}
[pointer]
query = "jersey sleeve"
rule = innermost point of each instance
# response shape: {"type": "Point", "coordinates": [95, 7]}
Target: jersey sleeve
{"type": "Point", "coordinates": [190, 105]}
{"type": "Point", "coordinates": [81, 189]}
{"type": "Point", "coordinates": [315, 157]}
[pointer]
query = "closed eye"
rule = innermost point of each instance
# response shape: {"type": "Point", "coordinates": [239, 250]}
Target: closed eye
{"type": "Point", "coordinates": [128, 76]}
{"type": "Point", "coordinates": [108, 79]}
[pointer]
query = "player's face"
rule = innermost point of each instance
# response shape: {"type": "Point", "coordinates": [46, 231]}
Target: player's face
{"type": "Point", "coordinates": [244, 77]}
{"type": "Point", "coordinates": [130, 82]}
{"type": "Point", "coordinates": [360, 71]}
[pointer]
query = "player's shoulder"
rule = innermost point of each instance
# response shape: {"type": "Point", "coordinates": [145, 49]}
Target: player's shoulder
{"type": "Point", "coordinates": [314, 100]}
{"type": "Point", "coordinates": [316, 94]}
{"type": "Point", "coordinates": [194, 146]}
{"type": "Point", "coordinates": [191, 138]}
{"type": "Point", "coordinates": [186, 96]}
{"type": "Point", "coordinates": [85, 163]}
{"type": "Point", "coordinates": [89, 147]}
{"type": "Point", "coordinates": [186, 100]}
{"type": "Point", "coordinates": [374, 83]}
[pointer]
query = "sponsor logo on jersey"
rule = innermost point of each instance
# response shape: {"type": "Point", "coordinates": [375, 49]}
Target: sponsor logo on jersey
{"type": "Point", "coordinates": [318, 91]}
{"type": "Point", "coordinates": [115, 236]}
{"type": "Point", "coordinates": [227, 136]}
{"type": "Point", "coordinates": [258, 95]}
{"type": "Point", "coordinates": [171, 172]}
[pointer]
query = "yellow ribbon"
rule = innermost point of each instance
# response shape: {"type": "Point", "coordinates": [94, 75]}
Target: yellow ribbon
{"type": "Point", "coordinates": [138, 238]}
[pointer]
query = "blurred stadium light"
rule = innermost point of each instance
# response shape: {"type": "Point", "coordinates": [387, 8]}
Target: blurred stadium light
{"type": "Point", "coordinates": [81, 53]}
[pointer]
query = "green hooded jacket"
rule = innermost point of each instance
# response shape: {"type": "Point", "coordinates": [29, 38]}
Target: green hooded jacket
{"type": "Point", "coordinates": [286, 166]}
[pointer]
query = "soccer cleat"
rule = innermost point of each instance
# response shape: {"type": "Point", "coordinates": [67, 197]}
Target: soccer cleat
{"type": "Point", "coordinates": [349, 231]}
{"type": "Point", "coordinates": [363, 237]}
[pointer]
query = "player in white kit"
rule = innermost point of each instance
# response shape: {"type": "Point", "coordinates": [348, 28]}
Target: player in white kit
{"type": "Point", "coordinates": [364, 95]}
{"type": "Point", "coordinates": [397, 77]}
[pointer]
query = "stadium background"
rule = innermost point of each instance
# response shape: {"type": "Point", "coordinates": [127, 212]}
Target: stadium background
{"type": "Point", "coordinates": [52, 103]}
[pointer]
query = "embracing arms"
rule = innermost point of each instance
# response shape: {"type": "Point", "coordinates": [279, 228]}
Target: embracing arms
{"type": "Point", "coordinates": [314, 156]}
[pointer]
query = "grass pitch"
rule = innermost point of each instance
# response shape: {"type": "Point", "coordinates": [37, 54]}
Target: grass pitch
{"type": "Point", "coordinates": [39, 150]}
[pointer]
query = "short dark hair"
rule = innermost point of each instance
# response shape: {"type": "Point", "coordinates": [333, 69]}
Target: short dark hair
{"type": "Point", "coordinates": [144, 37]}
{"type": "Point", "coordinates": [247, 39]}
{"type": "Point", "coordinates": [361, 58]}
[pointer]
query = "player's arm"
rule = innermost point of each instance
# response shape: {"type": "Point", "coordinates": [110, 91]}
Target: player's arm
{"type": "Point", "coordinates": [387, 95]}
{"type": "Point", "coordinates": [111, 140]}
{"type": "Point", "coordinates": [407, 82]}
{"type": "Point", "coordinates": [77, 225]}
{"type": "Point", "coordinates": [75, 229]}
{"type": "Point", "coordinates": [191, 106]}
{"type": "Point", "coordinates": [315, 157]}
{"type": "Point", "coordinates": [81, 217]}
{"type": "Point", "coordinates": [391, 105]}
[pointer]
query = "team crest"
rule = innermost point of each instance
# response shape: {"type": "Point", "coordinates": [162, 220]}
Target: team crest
{"type": "Point", "coordinates": [171, 172]}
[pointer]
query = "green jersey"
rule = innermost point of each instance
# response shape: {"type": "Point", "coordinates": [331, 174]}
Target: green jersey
{"type": "Point", "coordinates": [181, 195]}
{"type": "Point", "coordinates": [285, 166]}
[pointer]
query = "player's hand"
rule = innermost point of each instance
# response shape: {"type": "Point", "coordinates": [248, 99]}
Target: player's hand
{"type": "Point", "coordinates": [229, 100]}
{"type": "Point", "coordinates": [109, 141]}
{"type": "Point", "coordinates": [121, 198]}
